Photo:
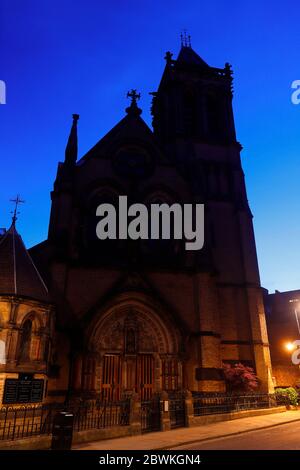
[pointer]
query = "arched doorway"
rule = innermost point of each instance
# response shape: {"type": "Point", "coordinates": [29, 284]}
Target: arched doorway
{"type": "Point", "coordinates": [137, 350]}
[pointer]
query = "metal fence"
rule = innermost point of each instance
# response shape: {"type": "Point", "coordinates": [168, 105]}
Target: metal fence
{"type": "Point", "coordinates": [102, 415]}
{"type": "Point", "coordinates": [27, 421]}
{"type": "Point", "coordinates": [151, 415]}
{"type": "Point", "coordinates": [214, 403]}
{"type": "Point", "coordinates": [177, 409]}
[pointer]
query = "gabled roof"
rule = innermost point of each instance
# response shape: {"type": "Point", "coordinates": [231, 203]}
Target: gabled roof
{"type": "Point", "coordinates": [132, 128]}
{"type": "Point", "coordinates": [188, 56]}
{"type": "Point", "coordinates": [18, 273]}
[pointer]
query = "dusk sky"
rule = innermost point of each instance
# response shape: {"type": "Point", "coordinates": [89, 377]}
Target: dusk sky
{"type": "Point", "coordinates": [71, 56]}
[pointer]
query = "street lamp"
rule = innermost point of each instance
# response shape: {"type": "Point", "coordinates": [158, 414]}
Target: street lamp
{"type": "Point", "coordinates": [297, 318]}
{"type": "Point", "coordinates": [290, 346]}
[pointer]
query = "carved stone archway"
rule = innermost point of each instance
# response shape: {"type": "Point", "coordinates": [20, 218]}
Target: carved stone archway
{"type": "Point", "coordinates": [137, 349]}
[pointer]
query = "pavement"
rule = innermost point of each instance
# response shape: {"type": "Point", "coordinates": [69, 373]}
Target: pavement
{"type": "Point", "coordinates": [282, 437]}
{"type": "Point", "coordinates": [193, 437]}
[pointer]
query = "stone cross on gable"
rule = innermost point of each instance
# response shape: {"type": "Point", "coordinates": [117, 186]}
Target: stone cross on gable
{"type": "Point", "coordinates": [134, 96]}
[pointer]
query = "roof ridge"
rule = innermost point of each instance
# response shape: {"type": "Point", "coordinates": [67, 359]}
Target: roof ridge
{"type": "Point", "coordinates": [116, 128]}
{"type": "Point", "coordinates": [14, 259]}
{"type": "Point", "coordinates": [4, 236]}
{"type": "Point", "coordinates": [18, 273]}
{"type": "Point", "coordinates": [32, 262]}
{"type": "Point", "coordinates": [188, 55]}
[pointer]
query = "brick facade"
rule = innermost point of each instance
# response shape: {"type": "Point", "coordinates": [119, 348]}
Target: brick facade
{"type": "Point", "coordinates": [138, 317]}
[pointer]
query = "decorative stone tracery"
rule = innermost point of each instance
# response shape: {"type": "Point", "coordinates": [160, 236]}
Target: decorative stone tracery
{"type": "Point", "coordinates": [133, 322]}
{"type": "Point", "coordinates": [132, 339]}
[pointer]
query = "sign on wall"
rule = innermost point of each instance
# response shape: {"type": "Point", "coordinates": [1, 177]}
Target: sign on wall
{"type": "Point", "coordinates": [25, 389]}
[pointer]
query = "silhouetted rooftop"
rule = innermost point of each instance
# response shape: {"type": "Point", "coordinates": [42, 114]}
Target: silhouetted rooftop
{"type": "Point", "coordinates": [189, 56]}
{"type": "Point", "coordinates": [18, 273]}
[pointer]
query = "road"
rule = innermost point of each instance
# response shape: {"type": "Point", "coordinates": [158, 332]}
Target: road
{"type": "Point", "coordinates": [282, 437]}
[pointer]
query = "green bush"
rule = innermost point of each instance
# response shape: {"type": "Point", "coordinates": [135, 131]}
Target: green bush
{"type": "Point", "coordinates": [288, 393]}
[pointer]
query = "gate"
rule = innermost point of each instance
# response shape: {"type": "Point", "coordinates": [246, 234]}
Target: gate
{"type": "Point", "coordinates": [177, 411]}
{"type": "Point", "coordinates": [150, 415]}
{"type": "Point", "coordinates": [111, 377]}
{"type": "Point", "coordinates": [145, 375]}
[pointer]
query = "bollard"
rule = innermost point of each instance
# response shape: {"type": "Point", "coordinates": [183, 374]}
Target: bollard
{"type": "Point", "coordinates": [62, 431]}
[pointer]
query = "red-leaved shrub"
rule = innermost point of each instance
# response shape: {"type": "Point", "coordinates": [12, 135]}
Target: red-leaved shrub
{"type": "Point", "coordinates": [240, 378]}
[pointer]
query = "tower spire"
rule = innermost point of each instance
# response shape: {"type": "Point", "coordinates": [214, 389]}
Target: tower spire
{"type": "Point", "coordinates": [185, 39]}
{"type": "Point", "coordinates": [72, 145]}
{"type": "Point", "coordinates": [17, 201]}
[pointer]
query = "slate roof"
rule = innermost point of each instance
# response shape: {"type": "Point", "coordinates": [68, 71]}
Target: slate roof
{"type": "Point", "coordinates": [188, 56]}
{"type": "Point", "coordinates": [132, 128]}
{"type": "Point", "coordinates": [18, 273]}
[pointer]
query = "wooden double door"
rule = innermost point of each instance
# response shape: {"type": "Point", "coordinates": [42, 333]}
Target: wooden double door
{"type": "Point", "coordinates": [132, 373]}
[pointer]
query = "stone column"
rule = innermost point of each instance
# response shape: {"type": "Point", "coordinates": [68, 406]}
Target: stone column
{"type": "Point", "coordinates": [12, 340]}
{"type": "Point", "coordinates": [208, 375]}
{"type": "Point", "coordinates": [135, 415]}
{"type": "Point", "coordinates": [260, 340]}
{"type": "Point", "coordinates": [165, 412]}
{"type": "Point", "coordinates": [93, 380]}
{"type": "Point", "coordinates": [157, 372]}
{"type": "Point", "coordinates": [189, 408]}
{"type": "Point", "coordinates": [77, 372]}
{"type": "Point", "coordinates": [254, 296]}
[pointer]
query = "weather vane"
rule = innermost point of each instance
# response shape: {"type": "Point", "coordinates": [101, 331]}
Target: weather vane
{"type": "Point", "coordinates": [17, 201]}
{"type": "Point", "coordinates": [185, 39]}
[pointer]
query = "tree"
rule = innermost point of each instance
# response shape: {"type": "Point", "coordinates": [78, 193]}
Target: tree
{"type": "Point", "coordinates": [240, 378]}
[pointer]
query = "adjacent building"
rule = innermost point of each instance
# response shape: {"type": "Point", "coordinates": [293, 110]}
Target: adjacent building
{"type": "Point", "coordinates": [283, 320]}
{"type": "Point", "coordinates": [26, 323]}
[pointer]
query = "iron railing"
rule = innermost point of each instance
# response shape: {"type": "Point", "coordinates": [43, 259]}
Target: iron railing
{"type": "Point", "coordinates": [177, 409]}
{"type": "Point", "coordinates": [214, 403]}
{"type": "Point", "coordinates": [151, 415]}
{"type": "Point", "coordinates": [27, 421]}
{"type": "Point", "coordinates": [102, 415]}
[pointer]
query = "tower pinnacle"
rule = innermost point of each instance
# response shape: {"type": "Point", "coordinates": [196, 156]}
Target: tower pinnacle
{"type": "Point", "coordinates": [72, 145]}
{"type": "Point", "coordinates": [185, 39]}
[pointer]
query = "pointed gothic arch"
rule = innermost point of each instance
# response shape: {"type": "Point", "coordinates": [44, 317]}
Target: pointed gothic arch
{"type": "Point", "coordinates": [144, 316]}
{"type": "Point", "coordinates": [29, 342]}
{"type": "Point", "coordinates": [137, 346]}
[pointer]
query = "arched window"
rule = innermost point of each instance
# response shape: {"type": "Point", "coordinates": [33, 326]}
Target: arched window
{"type": "Point", "coordinates": [163, 251]}
{"type": "Point", "coordinates": [133, 162]}
{"type": "Point", "coordinates": [25, 342]}
{"type": "Point", "coordinates": [94, 249]}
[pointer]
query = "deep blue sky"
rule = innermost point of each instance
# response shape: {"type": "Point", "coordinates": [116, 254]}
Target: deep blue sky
{"type": "Point", "coordinates": [75, 56]}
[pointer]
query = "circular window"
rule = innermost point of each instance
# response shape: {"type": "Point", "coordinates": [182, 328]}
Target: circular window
{"type": "Point", "coordinates": [132, 162]}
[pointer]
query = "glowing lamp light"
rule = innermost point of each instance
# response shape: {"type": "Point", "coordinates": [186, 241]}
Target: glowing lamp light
{"type": "Point", "coordinates": [290, 346]}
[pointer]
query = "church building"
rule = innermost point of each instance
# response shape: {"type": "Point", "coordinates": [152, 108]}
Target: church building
{"type": "Point", "coordinates": [122, 316]}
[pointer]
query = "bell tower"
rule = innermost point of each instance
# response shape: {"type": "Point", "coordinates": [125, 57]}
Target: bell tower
{"type": "Point", "coordinates": [193, 100]}
{"type": "Point", "coordinates": [193, 122]}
